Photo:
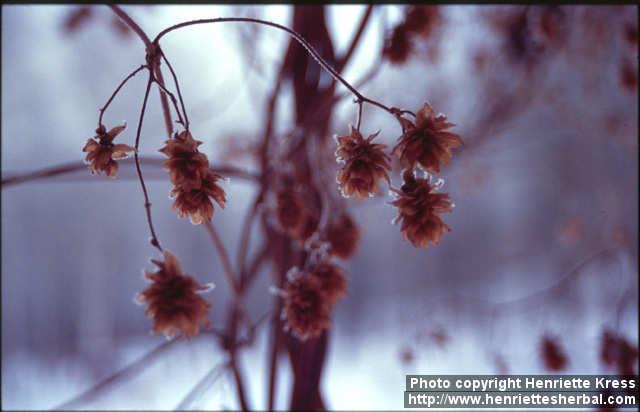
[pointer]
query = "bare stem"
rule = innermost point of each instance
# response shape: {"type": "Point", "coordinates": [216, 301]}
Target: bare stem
{"type": "Point", "coordinates": [224, 257]}
{"type": "Point", "coordinates": [163, 100]}
{"type": "Point", "coordinates": [147, 203]}
{"type": "Point", "coordinates": [113, 95]}
{"type": "Point", "coordinates": [359, 116]}
{"type": "Point", "coordinates": [173, 100]}
{"type": "Point", "coordinates": [175, 81]}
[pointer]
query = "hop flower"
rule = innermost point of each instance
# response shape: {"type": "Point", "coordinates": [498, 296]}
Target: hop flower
{"type": "Point", "coordinates": [333, 281]}
{"type": "Point", "coordinates": [194, 183]}
{"type": "Point", "coordinates": [343, 236]}
{"type": "Point", "coordinates": [398, 47]}
{"type": "Point", "coordinates": [364, 164]}
{"type": "Point", "coordinates": [427, 142]}
{"type": "Point", "coordinates": [306, 308]}
{"type": "Point", "coordinates": [290, 210]}
{"type": "Point", "coordinates": [418, 209]}
{"type": "Point", "coordinates": [186, 166]}
{"type": "Point", "coordinates": [102, 153]}
{"type": "Point", "coordinates": [422, 20]}
{"type": "Point", "coordinates": [174, 303]}
{"type": "Point", "coordinates": [553, 356]}
{"type": "Point", "coordinates": [196, 202]}
{"type": "Point", "coordinates": [616, 351]}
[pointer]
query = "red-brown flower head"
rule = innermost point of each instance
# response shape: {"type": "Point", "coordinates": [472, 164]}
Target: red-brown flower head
{"type": "Point", "coordinates": [419, 207]}
{"type": "Point", "coordinates": [553, 356]}
{"type": "Point", "coordinates": [185, 164]}
{"type": "Point", "coordinates": [102, 153]}
{"type": "Point", "coordinates": [196, 203]}
{"type": "Point", "coordinates": [343, 236]}
{"type": "Point", "coordinates": [618, 352]}
{"type": "Point", "coordinates": [194, 183]}
{"type": "Point", "coordinates": [174, 303]}
{"type": "Point", "coordinates": [398, 46]}
{"type": "Point", "coordinates": [422, 19]}
{"type": "Point", "coordinates": [306, 308]}
{"type": "Point", "coordinates": [365, 163]}
{"type": "Point", "coordinates": [333, 281]}
{"type": "Point", "coordinates": [426, 142]}
{"type": "Point", "coordinates": [290, 210]}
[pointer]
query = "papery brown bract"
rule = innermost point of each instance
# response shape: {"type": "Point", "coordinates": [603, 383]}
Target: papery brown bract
{"type": "Point", "coordinates": [102, 153]}
{"type": "Point", "coordinates": [398, 46]}
{"type": "Point", "coordinates": [343, 236]}
{"type": "Point", "coordinates": [173, 300]}
{"type": "Point", "coordinates": [553, 357]}
{"type": "Point", "coordinates": [616, 351]}
{"type": "Point", "coordinates": [333, 281]}
{"type": "Point", "coordinates": [185, 164]}
{"type": "Point", "coordinates": [365, 164]}
{"type": "Point", "coordinates": [306, 309]}
{"type": "Point", "coordinates": [290, 210]}
{"type": "Point", "coordinates": [422, 19]}
{"type": "Point", "coordinates": [419, 208]}
{"type": "Point", "coordinates": [196, 203]}
{"type": "Point", "coordinates": [427, 142]}
{"type": "Point", "coordinates": [194, 183]}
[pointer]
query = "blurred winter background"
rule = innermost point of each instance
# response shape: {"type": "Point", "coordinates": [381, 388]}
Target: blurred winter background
{"type": "Point", "coordinates": [544, 234]}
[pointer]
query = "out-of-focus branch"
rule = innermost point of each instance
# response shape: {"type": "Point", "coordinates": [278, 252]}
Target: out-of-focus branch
{"type": "Point", "coordinates": [71, 167]}
{"type": "Point", "coordinates": [128, 371]}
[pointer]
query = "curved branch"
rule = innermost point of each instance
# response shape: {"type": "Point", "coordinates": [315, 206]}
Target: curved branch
{"type": "Point", "coordinates": [312, 52]}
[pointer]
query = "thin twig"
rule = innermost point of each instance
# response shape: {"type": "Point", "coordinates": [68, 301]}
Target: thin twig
{"type": "Point", "coordinates": [163, 100]}
{"type": "Point", "coordinates": [224, 256]}
{"type": "Point", "coordinates": [147, 203]}
{"type": "Point", "coordinates": [203, 384]}
{"type": "Point", "coordinates": [113, 95]}
{"type": "Point", "coordinates": [239, 381]}
{"type": "Point", "coordinates": [131, 369]}
{"type": "Point", "coordinates": [175, 81]}
{"type": "Point", "coordinates": [173, 100]}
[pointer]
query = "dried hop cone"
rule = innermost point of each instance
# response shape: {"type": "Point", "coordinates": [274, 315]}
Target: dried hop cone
{"type": "Point", "coordinates": [616, 351]}
{"type": "Point", "coordinates": [102, 153]}
{"type": "Point", "coordinates": [174, 303]}
{"type": "Point", "coordinates": [194, 183]}
{"type": "Point", "coordinates": [290, 210]}
{"type": "Point", "coordinates": [343, 236]}
{"type": "Point", "coordinates": [398, 46]}
{"type": "Point", "coordinates": [553, 356]}
{"type": "Point", "coordinates": [427, 141]}
{"type": "Point", "coordinates": [365, 163]}
{"type": "Point", "coordinates": [333, 281]}
{"type": "Point", "coordinates": [306, 308]}
{"type": "Point", "coordinates": [419, 207]}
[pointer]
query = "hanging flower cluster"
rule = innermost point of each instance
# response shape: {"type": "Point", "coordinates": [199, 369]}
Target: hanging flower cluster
{"type": "Point", "coordinates": [425, 144]}
{"type": "Point", "coordinates": [309, 297]}
{"type": "Point", "coordinates": [194, 184]}
{"type": "Point", "coordinates": [365, 164]}
{"type": "Point", "coordinates": [173, 299]}
{"type": "Point", "coordinates": [102, 153]}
